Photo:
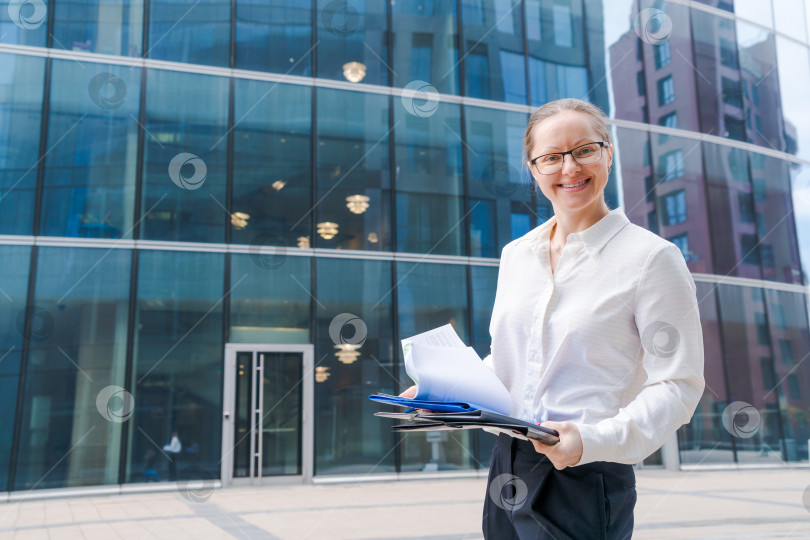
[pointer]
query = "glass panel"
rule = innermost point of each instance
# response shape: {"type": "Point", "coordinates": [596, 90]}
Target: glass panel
{"type": "Point", "coordinates": [432, 295]}
{"type": "Point", "coordinates": [557, 55]}
{"type": "Point", "coordinates": [100, 26]}
{"type": "Point", "coordinates": [790, 18]}
{"type": "Point", "coordinates": [800, 191]}
{"type": "Point", "coordinates": [241, 424]}
{"type": "Point", "coordinates": [353, 171]}
{"type": "Point", "coordinates": [20, 125]}
{"type": "Point", "coordinates": [493, 50]}
{"type": "Point", "coordinates": [794, 77]}
{"type": "Point", "coordinates": [12, 320]}
{"type": "Point", "coordinates": [274, 36]}
{"type": "Point", "coordinates": [93, 140]}
{"type": "Point", "coordinates": [281, 413]}
{"type": "Point", "coordinates": [704, 439]}
{"type": "Point", "coordinates": [429, 179]}
{"type": "Point", "coordinates": [74, 403]}
{"type": "Point", "coordinates": [177, 371]}
{"type": "Point", "coordinates": [425, 44]}
{"type": "Point", "coordinates": [190, 31]}
{"type": "Point", "coordinates": [484, 281]}
{"type": "Point", "coordinates": [353, 32]}
{"type": "Point", "coordinates": [24, 23]}
{"type": "Point", "coordinates": [497, 177]}
{"type": "Point", "coordinates": [185, 157]}
{"type": "Point", "coordinates": [354, 349]}
{"type": "Point", "coordinates": [270, 297]}
{"type": "Point", "coordinates": [789, 329]}
{"type": "Point", "coordinates": [272, 176]}
{"type": "Point", "coordinates": [758, 11]}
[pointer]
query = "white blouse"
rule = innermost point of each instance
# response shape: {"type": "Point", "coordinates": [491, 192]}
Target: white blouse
{"type": "Point", "coordinates": [611, 341]}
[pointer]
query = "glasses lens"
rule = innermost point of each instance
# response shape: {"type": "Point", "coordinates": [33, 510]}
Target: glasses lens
{"type": "Point", "coordinates": [549, 164]}
{"type": "Point", "coordinates": [587, 154]}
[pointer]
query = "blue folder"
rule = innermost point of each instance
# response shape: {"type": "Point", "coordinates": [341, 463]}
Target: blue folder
{"type": "Point", "coordinates": [413, 404]}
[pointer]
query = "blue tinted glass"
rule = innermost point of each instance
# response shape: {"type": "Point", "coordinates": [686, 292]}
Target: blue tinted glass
{"type": "Point", "coordinates": [20, 116]}
{"type": "Point", "coordinates": [520, 224]}
{"type": "Point", "coordinates": [482, 234]}
{"type": "Point", "coordinates": [429, 180]}
{"type": "Point", "coordinates": [100, 26]}
{"type": "Point", "coordinates": [493, 43]}
{"type": "Point", "coordinates": [71, 418]}
{"type": "Point", "coordinates": [353, 170]}
{"type": "Point", "coordinates": [192, 31]}
{"type": "Point", "coordinates": [177, 371]}
{"type": "Point", "coordinates": [185, 157]}
{"type": "Point", "coordinates": [270, 297]}
{"type": "Point", "coordinates": [272, 176]}
{"type": "Point", "coordinates": [12, 320]}
{"type": "Point", "coordinates": [90, 168]}
{"type": "Point", "coordinates": [494, 146]}
{"type": "Point", "coordinates": [550, 81]}
{"type": "Point", "coordinates": [350, 32]}
{"type": "Point", "coordinates": [432, 295]}
{"type": "Point", "coordinates": [274, 36]}
{"type": "Point", "coordinates": [426, 44]}
{"type": "Point", "coordinates": [354, 366]}
{"type": "Point", "coordinates": [24, 22]}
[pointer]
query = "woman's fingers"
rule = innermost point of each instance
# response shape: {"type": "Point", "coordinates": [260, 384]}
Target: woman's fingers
{"type": "Point", "coordinates": [568, 451]}
{"type": "Point", "coordinates": [409, 393]}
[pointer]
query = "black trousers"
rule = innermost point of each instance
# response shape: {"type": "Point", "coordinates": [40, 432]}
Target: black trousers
{"type": "Point", "coordinates": [527, 498]}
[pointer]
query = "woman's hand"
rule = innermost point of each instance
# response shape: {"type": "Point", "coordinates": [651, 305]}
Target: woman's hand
{"type": "Point", "coordinates": [409, 393]}
{"type": "Point", "coordinates": [567, 451]}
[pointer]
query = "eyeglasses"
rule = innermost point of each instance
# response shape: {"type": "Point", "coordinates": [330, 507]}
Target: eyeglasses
{"type": "Point", "coordinates": [584, 155]}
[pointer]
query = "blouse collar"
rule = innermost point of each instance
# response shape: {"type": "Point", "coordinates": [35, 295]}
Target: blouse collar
{"type": "Point", "coordinates": [593, 238]}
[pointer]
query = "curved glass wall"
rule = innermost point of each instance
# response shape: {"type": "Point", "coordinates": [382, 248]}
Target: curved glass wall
{"type": "Point", "coordinates": [387, 136]}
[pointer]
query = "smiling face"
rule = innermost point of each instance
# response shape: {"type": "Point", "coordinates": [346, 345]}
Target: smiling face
{"type": "Point", "coordinates": [575, 188]}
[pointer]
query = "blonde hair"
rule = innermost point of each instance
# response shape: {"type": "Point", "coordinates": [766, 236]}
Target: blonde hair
{"type": "Point", "coordinates": [598, 118]}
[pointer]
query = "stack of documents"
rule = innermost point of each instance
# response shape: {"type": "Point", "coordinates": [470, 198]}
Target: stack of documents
{"type": "Point", "coordinates": [455, 390]}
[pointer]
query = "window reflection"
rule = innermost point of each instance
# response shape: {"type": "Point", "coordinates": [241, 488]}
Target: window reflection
{"type": "Point", "coordinates": [191, 31]}
{"type": "Point", "coordinates": [353, 171]}
{"type": "Point", "coordinates": [176, 372]}
{"type": "Point", "coordinates": [77, 352]}
{"type": "Point", "coordinates": [353, 32]}
{"type": "Point", "coordinates": [24, 23]}
{"type": "Point", "coordinates": [21, 81]}
{"type": "Point", "coordinates": [185, 157]}
{"type": "Point", "coordinates": [15, 284]}
{"type": "Point", "coordinates": [274, 36]}
{"type": "Point", "coordinates": [272, 175]}
{"type": "Point", "coordinates": [90, 169]}
{"type": "Point", "coordinates": [431, 295]}
{"type": "Point", "coordinates": [351, 439]}
{"type": "Point", "coordinates": [431, 54]}
{"type": "Point", "coordinates": [429, 180]}
{"type": "Point", "coordinates": [100, 26]}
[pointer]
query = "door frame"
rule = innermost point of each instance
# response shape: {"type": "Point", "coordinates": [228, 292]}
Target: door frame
{"type": "Point", "coordinates": [229, 410]}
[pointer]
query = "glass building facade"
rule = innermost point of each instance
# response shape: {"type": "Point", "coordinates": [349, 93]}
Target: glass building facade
{"type": "Point", "coordinates": [182, 179]}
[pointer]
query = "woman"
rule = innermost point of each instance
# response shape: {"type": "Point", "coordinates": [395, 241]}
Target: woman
{"type": "Point", "coordinates": [596, 334]}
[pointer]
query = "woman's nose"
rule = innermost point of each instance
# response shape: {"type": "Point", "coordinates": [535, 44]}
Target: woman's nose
{"type": "Point", "coordinates": [569, 165]}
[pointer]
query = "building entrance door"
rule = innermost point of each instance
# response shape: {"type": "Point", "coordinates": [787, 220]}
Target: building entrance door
{"type": "Point", "coordinates": [267, 414]}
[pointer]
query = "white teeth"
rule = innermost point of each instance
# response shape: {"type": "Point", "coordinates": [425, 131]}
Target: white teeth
{"type": "Point", "coordinates": [574, 185]}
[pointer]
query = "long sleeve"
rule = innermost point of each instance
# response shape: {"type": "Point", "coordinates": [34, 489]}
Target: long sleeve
{"type": "Point", "coordinates": [671, 352]}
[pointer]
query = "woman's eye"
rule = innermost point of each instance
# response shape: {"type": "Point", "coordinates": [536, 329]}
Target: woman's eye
{"type": "Point", "coordinates": [550, 159]}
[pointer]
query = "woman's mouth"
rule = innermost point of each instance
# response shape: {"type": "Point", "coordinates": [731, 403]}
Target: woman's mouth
{"type": "Point", "coordinates": [576, 186]}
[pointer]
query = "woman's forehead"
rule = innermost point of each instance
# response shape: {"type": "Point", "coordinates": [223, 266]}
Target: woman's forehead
{"type": "Point", "coordinates": [563, 129]}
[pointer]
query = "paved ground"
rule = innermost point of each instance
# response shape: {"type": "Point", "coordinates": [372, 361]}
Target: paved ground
{"type": "Point", "coordinates": [717, 505]}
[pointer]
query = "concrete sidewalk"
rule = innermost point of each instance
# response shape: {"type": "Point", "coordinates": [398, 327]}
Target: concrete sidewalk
{"type": "Point", "coordinates": [725, 504]}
